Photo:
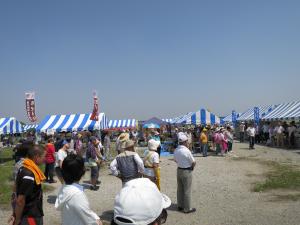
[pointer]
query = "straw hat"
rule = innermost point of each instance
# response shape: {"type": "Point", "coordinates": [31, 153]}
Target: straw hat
{"type": "Point", "coordinates": [128, 144]}
{"type": "Point", "coordinates": [124, 137]}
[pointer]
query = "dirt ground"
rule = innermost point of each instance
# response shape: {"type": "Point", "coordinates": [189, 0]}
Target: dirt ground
{"type": "Point", "coordinates": [221, 191]}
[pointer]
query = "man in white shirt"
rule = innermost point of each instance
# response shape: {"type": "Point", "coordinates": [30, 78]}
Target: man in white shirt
{"type": "Point", "coordinates": [279, 135]}
{"type": "Point", "coordinates": [186, 163]}
{"type": "Point", "coordinates": [251, 132]}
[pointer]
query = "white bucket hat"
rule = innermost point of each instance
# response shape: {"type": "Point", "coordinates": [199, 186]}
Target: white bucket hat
{"type": "Point", "coordinates": [153, 144]}
{"type": "Point", "coordinates": [182, 137]}
{"type": "Point", "coordinates": [139, 202]}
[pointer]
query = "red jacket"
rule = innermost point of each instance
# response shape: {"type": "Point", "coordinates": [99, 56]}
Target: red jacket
{"type": "Point", "coordinates": [50, 151]}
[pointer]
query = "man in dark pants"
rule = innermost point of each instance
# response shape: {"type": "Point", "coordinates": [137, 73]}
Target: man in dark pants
{"type": "Point", "coordinates": [251, 133]}
{"type": "Point", "coordinates": [242, 132]}
{"type": "Point", "coordinates": [185, 163]}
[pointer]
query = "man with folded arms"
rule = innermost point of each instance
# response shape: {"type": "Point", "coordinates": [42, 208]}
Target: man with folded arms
{"type": "Point", "coordinates": [185, 163]}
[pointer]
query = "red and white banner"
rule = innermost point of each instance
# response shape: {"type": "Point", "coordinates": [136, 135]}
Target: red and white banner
{"type": "Point", "coordinates": [30, 106]}
{"type": "Point", "coordinates": [95, 114]}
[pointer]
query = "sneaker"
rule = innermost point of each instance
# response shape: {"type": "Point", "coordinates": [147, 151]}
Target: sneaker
{"type": "Point", "coordinates": [94, 188]}
{"type": "Point", "coordinates": [192, 210]}
{"type": "Point", "coordinates": [98, 182]}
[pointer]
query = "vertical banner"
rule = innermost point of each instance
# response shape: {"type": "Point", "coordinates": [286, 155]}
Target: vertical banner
{"type": "Point", "coordinates": [30, 106]}
{"type": "Point", "coordinates": [95, 114]}
{"type": "Point", "coordinates": [256, 115]}
{"type": "Point", "coordinates": [234, 117]}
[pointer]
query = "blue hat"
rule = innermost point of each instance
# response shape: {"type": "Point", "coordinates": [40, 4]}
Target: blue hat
{"type": "Point", "coordinates": [65, 142]}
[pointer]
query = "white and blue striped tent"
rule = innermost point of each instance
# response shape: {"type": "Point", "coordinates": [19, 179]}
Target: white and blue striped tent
{"type": "Point", "coordinates": [167, 120]}
{"type": "Point", "coordinates": [201, 117]}
{"type": "Point", "coordinates": [249, 114]}
{"type": "Point", "coordinates": [182, 119]}
{"type": "Point", "coordinates": [73, 122]}
{"type": "Point", "coordinates": [284, 111]}
{"type": "Point", "coordinates": [174, 120]}
{"type": "Point", "coordinates": [30, 126]}
{"type": "Point", "coordinates": [119, 124]}
{"type": "Point", "coordinates": [10, 125]}
{"type": "Point", "coordinates": [228, 118]}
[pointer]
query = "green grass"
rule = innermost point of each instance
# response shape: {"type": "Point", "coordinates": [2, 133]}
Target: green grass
{"type": "Point", "coordinates": [286, 197]}
{"type": "Point", "coordinates": [6, 170]}
{"type": "Point", "coordinates": [280, 177]}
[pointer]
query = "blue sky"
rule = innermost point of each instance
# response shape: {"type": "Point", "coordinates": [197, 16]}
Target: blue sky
{"type": "Point", "coordinates": [148, 58]}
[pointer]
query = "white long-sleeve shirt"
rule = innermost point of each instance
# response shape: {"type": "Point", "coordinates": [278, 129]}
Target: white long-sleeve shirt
{"type": "Point", "coordinates": [74, 206]}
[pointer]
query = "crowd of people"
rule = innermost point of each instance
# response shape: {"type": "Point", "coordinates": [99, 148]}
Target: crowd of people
{"type": "Point", "coordinates": [275, 134]}
{"type": "Point", "coordinates": [68, 156]}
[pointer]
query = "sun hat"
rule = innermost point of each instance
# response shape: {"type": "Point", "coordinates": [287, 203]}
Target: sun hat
{"type": "Point", "coordinates": [153, 144]}
{"type": "Point", "coordinates": [182, 137]}
{"type": "Point", "coordinates": [124, 137]}
{"type": "Point", "coordinates": [129, 144]}
{"type": "Point", "coordinates": [139, 202]}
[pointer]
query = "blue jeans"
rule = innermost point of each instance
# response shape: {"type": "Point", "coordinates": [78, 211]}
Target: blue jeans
{"type": "Point", "coordinates": [204, 149]}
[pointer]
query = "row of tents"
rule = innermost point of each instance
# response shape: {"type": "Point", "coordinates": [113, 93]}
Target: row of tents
{"type": "Point", "coordinates": [80, 122]}
{"type": "Point", "coordinates": [284, 111]}
{"type": "Point", "coordinates": [65, 123]}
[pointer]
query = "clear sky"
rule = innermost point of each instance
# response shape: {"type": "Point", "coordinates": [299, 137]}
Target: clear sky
{"type": "Point", "coordinates": [148, 58]}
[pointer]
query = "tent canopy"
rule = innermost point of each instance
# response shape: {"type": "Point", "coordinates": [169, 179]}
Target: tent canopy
{"type": "Point", "coordinates": [228, 118]}
{"type": "Point", "coordinates": [155, 120]}
{"type": "Point", "coordinates": [167, 120]}
{"type": "Point", "coordinates": [30, 126]}
{"type": "Point", "coordinates": [249, 114]}
{"type": "Point", "coordinates": [202, 116]}
{"type": "Point", "coordinates": [121, 124]}
{"type": "Point", "coordinates": [183, 118]}
{"type": "Point", "coordinates": [10, 125]}
{"type": "Point", "coordinates": [72, 122]}
{"type": "Point", "coordinates": [284, 111]}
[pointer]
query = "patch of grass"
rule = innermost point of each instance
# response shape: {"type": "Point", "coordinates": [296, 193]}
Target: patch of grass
{"type": "Point", "coordinates": [280, 177]}
{"type": "Point", "coordinates": [287, 197]}
{"type": "Point", "coordinates": [6, 170]}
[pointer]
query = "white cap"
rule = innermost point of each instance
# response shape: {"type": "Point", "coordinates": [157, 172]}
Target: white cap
{"type": "Point", "coordinates": [140, 202]}
{"type": "Point", "coordinates": [182, 137]}
{"type": "Point", "coordinates": [153, 144]}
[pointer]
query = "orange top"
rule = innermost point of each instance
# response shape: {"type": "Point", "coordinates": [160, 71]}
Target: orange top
{"type": "Point", "coordinates": [203, 138]}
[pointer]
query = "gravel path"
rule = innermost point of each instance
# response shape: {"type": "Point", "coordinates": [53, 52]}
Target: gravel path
{"type": "Point", "coordinates": [221, 192]}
